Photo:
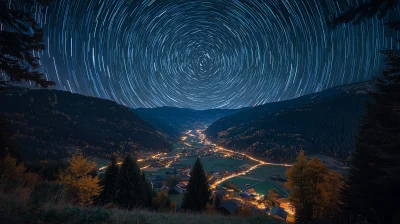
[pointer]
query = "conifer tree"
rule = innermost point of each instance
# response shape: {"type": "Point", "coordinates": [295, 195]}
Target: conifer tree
{"type": "Point", "coordinates": [198, 192]}
{"type": "Point", "coordinates": [129, 183]}
{"type": "Point", "coordinates": [133, 189]}
{"type": "Point", "coordinates": [20, 36]}
{"type": "Point", "coordinates": [217, 200]}
{"type": "Point", "coordinates": [146, 192]}
{"type": "Point", "coordinates": [109, 183]}
{"type": "Point", "coordinates": [376, 159]}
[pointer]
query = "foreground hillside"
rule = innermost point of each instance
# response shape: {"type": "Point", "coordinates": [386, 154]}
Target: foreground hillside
{"type": "Point", "coordinates": [49, 123]}
{"type": "Point", "coordinates": [323, 122]}
{"type": "Point", "coordinates": [174, 120]}
{"type": "Point", "coordinates": [45, 204]}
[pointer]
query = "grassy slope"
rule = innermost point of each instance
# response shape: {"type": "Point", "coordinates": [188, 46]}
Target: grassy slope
{"type": "Point", "coordinates": [45, 204]}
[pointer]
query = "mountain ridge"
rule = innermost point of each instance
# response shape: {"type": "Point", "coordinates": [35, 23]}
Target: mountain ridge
{"type": "Point", "coordinates": [278, 129]}
{"type": "Point", "coordinates": [49, 123]}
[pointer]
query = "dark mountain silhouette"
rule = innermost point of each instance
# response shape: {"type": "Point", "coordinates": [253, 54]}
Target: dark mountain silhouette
{"type": "Point", "coordinates": [49, 123]}
{"type": "Point", "coordinates": [174, 120]}
{"type": "Point", "coordinates": [323, 122]}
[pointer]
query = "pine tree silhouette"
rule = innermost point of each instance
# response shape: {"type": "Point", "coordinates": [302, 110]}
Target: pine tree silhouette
{"type": "Point", "coordinates": [198, 193]}
{"type": "Point", "coordinates": [109, 183]}
{"type": "Point", "coordinates": [20, 36]}
{"type": "Point", "coordinates": [374, 177]}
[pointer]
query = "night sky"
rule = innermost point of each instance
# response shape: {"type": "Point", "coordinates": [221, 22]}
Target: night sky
{"type": "Point", "coordinates": [205, 53]}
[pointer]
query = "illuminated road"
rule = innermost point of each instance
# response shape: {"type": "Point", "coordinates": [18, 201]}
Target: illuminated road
{"type": "Point", "coordinates": [139, 160]}
{"type": "Point", "coordinates": [260, 163]}
{"type": "Point", "coordinates": [252, 158]}
{"type": "Point", "coordinates": [119, 163]}
{"type": "Point", "coordinates": [228, 152]}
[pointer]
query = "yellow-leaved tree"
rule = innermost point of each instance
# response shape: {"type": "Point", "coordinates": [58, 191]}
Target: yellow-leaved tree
{"type": "Point", "coordinates": [10, 169]}
{"type": "Point", "coordinates": [14, 171]}
{"type": "Point", "coordinates": [315, 190]}
{"type": "Point", "coordinates": [161, 200]}
{"type": "Point", "coordinates": [78, 179]}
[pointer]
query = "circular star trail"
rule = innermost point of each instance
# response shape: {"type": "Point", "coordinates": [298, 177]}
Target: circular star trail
{"type": "Point", "coordinates": [205, 53]}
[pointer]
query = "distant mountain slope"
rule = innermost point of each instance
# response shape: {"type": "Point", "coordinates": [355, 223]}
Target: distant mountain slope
{"type": "Point", "coordinates": [323, 122]}
{"type": "Point", "coordinates": [48, 123]}
{"type": "Point", "coordinates": [174, 121]}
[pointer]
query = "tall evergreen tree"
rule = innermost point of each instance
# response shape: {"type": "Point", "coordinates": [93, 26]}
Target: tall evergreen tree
{"type": "Point", "coordinates": [109, 183]}
{"type": "Point", "coordinates": [197, 193]}
{"type": "Point", "coordinates": [376, 160]}
{"type": "Point", "coordinates": [133, 189]}
{"type": "Point", "coordinates": [217, 200]}
{"type": "Point", "coordinates": [365, 10]}
{"type": "Point", "coordinates": [19, 38]}
{"type": "Point", "coordinates": [146, 192]}
{"type": "Point", "coordinates": [129, 183]}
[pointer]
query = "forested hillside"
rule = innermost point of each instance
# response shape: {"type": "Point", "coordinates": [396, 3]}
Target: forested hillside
{"type": "Point", "coordinates": [48, 123]}
{"type": "Point", "coordinates": [322, 122]}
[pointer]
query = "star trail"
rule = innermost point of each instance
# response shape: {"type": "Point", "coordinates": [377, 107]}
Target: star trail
{"type": "Point", "coordinates": [205, 53]}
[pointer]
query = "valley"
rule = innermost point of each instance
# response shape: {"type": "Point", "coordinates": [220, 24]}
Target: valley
{"type": "Point", "coordinates": [222, 165]}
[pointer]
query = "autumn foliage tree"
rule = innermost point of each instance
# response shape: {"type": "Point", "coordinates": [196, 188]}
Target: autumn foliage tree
{"type": "Point", "coordinates": [78, 179]}
{"type": "Point", "coordinates": [161, 201]}
{"type": "Point", "coordinates": [16, 172]}
{"type": "Point", "coordinates": [315, 190]}
{"type": "Point", "coordinates": [11, 169]}
{"type": "Point", "coordinates": [272, 196]}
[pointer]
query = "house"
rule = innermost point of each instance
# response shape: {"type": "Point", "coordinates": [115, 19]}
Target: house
{"type": "Point", "coordinates": [230, 192]}
{"type": "Point", "coordinates": [285, 204]}
{"type": "Point", "coordinates": [229, 207]}
{"type": "Point", "coordinates": [267, 210]}
{"type": "Point", "coordinates": [279, 213]}
{"type": "Point", "coordinates": [157, 180]}
{"type": "Point", "coordinates": [245, 195]}
{"type": "Point", "coordinates": [181, 187]}
{"type": "Point", "coordinates": [185, 177]}
{"type": "Point", "coordinates": [251, 191]}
